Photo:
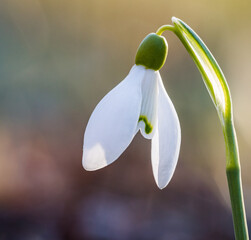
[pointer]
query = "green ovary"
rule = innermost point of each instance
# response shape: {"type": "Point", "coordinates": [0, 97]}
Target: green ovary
{"type": "Point", "coordinates": [148, 125]}
{"type": "Point", "coordinates": [152, 52]}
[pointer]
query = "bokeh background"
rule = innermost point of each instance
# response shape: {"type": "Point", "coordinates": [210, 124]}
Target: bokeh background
{"type": "Point", "coordinates": [57, 60]}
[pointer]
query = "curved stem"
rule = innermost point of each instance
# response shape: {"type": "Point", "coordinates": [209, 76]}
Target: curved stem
{"type": "Point", "coordinates": [165, 28]}
{"type": "Point", "coordinates": [233, 169]}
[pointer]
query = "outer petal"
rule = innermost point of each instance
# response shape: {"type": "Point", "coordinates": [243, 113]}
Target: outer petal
{"type": "Point", "coordinates": [113, 122]}
{"type": "Point", "coordinates": [166, 140]}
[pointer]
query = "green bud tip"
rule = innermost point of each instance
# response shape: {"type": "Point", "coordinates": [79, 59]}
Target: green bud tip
{"type": "Point", "coordinates": [152, 52]}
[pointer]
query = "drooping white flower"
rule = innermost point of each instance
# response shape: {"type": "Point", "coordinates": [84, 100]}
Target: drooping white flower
{"type": "Point", "coordinates": [139, 102]}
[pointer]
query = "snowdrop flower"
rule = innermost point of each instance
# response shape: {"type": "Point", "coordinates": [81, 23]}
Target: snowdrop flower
{"type": "Point", "coordinates": [139, 102]}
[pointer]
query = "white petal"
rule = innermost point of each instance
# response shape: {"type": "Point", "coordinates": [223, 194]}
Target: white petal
{"type": "Point", "coordinates": [166, 141]}
{"type": "Point", "coordinates": [148, 113]}
{"type": "Point", "coordinates": [113, 122]}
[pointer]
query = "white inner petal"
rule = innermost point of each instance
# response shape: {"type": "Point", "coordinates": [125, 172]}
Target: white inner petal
{"type": "Point", "coordinates": [148, 113]}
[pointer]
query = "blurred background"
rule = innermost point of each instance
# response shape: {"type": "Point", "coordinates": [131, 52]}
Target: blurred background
{"type": "Point", "coordinates": [57, 60]}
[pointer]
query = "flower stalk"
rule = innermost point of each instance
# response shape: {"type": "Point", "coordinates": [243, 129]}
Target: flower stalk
{"type": "Point", "coordinates": [218, 89]}
{"type": "Point", "coordinates": [233, 171]}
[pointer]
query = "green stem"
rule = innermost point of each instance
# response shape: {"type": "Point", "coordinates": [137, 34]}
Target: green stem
{"type": "Point", "coordinates": [233, 171]}
{"type": "Point", "coordinates": [165, 28]}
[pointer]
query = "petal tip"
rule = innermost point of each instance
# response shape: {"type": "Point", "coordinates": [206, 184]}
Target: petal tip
{"type": "Point", "coordinates": [161, 184]}
{"type": "Point", "coordinates": [161, 187]}
{"type": "Point", "coordinates": [89, 166]}
{"type": "Point", "coordinates": [94, 158]}
{"type": "Point", "coordinates": [86, 164]}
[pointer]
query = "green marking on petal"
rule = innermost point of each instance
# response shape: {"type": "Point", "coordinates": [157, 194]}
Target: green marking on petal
{"type": "Point", "coordinates": [148, 125]}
